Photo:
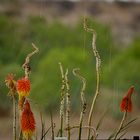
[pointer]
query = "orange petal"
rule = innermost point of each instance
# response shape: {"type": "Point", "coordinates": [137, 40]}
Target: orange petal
{"type": "Point", "coordinates": [23, 86]}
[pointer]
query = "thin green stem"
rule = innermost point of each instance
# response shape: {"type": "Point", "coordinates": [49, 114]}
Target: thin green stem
{"type": "Point", "coordinates": [15, 118]}
{"type": "Point", "coordinates": [121, 124]}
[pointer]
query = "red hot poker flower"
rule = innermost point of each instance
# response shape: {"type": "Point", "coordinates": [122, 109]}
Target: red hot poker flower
{"type": "Point", "coordinates": [23, 87]}
{"type": "Point", "coordinates": [126, 103]}
{"type": "Point", "coordinates": [27, 122]}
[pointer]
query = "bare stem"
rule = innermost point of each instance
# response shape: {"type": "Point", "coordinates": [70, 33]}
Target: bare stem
{"type": "Point", "coordinates": [52, 126]}
{"type": "Point", "coordinates": [98, 65]}
{"type": "Point", "coordinates": [62, 100]}
{"type": "Point", "coordinates": [67, 105]}
{"type": "Point", "coordinates": [83, 101]}
{"type": "Point", "coordinates": [15, 117]}
{"type": "Point", "coordinates": [46, 132]}
{"type": "Point", "coordinates": [26, 65]}
{"type": "Point", "coordinates": [42, 125]}
{"type": "Point", "coordinates": [121, 124]}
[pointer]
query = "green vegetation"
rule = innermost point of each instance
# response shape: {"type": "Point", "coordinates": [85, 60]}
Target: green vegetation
{"type": "Point", "coordinates": [72, 47]}
{"type": "Point", "coordinates": [124, 69]}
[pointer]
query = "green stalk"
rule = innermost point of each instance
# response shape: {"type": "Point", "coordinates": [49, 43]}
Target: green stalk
{"type": "Point", "coordinates": [14, 118]}
{"type": "Point", "coordinates": [121, 124]}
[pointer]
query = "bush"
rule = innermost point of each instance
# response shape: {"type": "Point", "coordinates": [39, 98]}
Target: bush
{"type": "Point", "coordinates": [56, 42]}
{"type": "Point", "coordinates": [46, 88]}
{"type": "Point", "coordinates": [124, 69]}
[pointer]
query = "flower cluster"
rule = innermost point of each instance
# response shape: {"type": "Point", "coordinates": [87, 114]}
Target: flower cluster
{"type": "Point", "coordinates": [22, 87]}
{"type": "Point", "coordinates": [27, 117]}
{"type": "Point", "coordinates": [27, 121]}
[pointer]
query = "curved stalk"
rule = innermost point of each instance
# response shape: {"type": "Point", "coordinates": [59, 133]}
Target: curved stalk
{"type": "Point", "coordinates": [98, 65]}
{"type": "Point", "coordinates": [83, 101]}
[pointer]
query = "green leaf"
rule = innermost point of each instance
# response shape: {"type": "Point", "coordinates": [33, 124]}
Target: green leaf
{"type": "Point", "coordinates": [122, 135]}
{"type": "Point", "coordinates": [112, 135]}
{"type": "Point", "coordinates": [130, 122]}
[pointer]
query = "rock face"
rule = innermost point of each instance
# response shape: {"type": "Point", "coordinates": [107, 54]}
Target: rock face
{"type": "Point", "coordinates": [123, 17]}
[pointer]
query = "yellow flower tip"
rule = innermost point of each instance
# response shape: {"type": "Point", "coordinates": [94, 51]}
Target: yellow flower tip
{"type": "Point", "coordinates": [27, 134]}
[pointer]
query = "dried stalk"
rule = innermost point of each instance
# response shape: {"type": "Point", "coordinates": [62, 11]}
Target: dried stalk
{"type": "Point", "coordinates": [83, 101]}
{"type": "Point", "coordinates": [62, 100]}
{"type": "Point", "coordinates": [42, 125]}
{"type": "Point", "coordinates": [46, 132]}
{"type": "Point", "coordinates": [98, 65]}
{"type": "Point", "coordinates": [26, 65]}
{"type": "Point", "coordinates": [67, 105]}
{"type": "Point", "coordinates": [52, 126]}
{"type": "Point", "coordinates": [121, 124]}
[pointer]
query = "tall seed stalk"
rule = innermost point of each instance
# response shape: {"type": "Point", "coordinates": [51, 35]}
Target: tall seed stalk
{"type": "Point", "coordinates": [62, 100]}
{"type": "Point", "coordinates": [98, 65]}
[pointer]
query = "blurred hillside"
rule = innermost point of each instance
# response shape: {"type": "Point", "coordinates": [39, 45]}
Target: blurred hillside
{"type": "Point", "coordinates": [57, 29]}
{"type": "Point", "coordinates": [123, 17]}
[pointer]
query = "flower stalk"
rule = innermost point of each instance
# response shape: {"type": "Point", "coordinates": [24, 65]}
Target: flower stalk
{"type": "Point", "coordinates": [62, 100]}
{"type": "Point", "coordinates": [11, 84]}
{"type": "Point", "coordinates": [14, 119]}
{"type": "Point", "coordinates": [98, 65]}
{"type": "Point", "coordinates": [67, 104]}
{"type": "Point", "coordinates": [121, 124]}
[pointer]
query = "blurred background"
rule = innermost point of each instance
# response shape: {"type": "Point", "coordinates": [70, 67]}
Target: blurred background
{"type": "Point", "coordinates": [56, 27]}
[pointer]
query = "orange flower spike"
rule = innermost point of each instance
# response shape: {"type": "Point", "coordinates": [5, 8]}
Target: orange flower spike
{"type": "Point", "coordinates": [27, 122]}
{"type": "Point", "coordinates": [126, 103]}
{"type": "Point", "coordinates": [23, 87]}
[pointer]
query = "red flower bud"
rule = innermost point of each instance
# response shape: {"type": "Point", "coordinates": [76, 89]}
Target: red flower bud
{"type": "Point", "coordinates": [126, 103]}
